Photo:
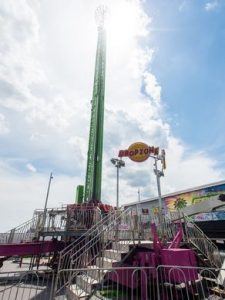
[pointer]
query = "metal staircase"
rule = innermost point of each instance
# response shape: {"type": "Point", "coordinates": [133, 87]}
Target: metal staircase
{"type": "Point", "coordinates": [88, 279]}
{"type": "Point", "coordinates": [103, 246]}
{"type": "Point", "coordinates": [207, 252]}
{"type": "Point", "coordinates": [205, 249]}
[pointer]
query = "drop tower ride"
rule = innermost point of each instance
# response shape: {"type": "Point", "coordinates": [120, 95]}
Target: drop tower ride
{"type": "Point", "coordinates": [92, 190]}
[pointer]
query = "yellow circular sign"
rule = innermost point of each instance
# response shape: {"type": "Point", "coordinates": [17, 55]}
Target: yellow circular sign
{"type": "Point", "coordinates": [138, 152]}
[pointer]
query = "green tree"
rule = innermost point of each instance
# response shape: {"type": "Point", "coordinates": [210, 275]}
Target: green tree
{"type": "Point", "coordinates": [179, 203]}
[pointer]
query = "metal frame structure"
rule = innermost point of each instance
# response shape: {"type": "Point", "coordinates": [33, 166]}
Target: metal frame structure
{"type": "Point", "coordinates": [95, 148]}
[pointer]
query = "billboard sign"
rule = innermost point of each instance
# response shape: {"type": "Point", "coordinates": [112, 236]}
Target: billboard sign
{"type": "Point", "coordinates": [179, 201]}
{"type": "Point", "coordinates": [139, 152]}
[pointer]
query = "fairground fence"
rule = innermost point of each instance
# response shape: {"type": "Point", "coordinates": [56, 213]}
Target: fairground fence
{"type": "Point", "coordinates": [120, 283]}
{"type": "Point", "coordinates": [143, 283]}
{"type": "Point", "coordinates": [26, 285]}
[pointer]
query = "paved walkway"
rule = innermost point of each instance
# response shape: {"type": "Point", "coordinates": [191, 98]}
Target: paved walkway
{"type": "Point", "coordinates": [10, 266]}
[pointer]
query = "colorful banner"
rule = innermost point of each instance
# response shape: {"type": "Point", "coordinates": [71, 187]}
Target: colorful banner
{"type": "Point", "coordinates": [173, 203]}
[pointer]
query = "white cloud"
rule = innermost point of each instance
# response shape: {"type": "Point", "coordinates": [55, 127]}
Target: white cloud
{"type": "Point", "coordinates": [20, 195]}
{"type": "Point", "coordinates": [211, 5]}
{"type": "Point", "coordinates": [46, 77]}
{"type": "Point", "coordinates": [3, 125]}
{"type": "Point", "coordinates": [153, 89]}
{"type": "Point", "coordinates": [31, 168]}
{"type": "Point", "coordinates": [187, 168]}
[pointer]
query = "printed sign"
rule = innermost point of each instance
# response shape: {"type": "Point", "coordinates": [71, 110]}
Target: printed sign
{"type": "Point", "coordinates": [139, 152]}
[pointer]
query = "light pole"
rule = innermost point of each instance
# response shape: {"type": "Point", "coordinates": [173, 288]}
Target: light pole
{"type": "Point", "coordinates": [118, 163]}
{"type": "Point", "coordinates": [138, 206]}
{"type": "Point", "coordinates": [159, 173]}
{"type": "Point", "coordinates": [46, 201]}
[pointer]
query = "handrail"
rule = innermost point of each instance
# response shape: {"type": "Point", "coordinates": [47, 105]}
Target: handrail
{"type": "Point", "coordinates": [189, 220]}
{"type": "Point", "coordinates": [90, 248]}
{"type": "Point", "coordinates": [112, 230]}
{"type": "Point", "coordinates": [31, 229]}
{"type": "Point", "coordinates": [71, 246]}
{"type": "Point", "coordinates": [25, 231]}
{"type": "Point", "coordinates": [197, 237]}
{"type": "Point", "coordinates": [65, 255]}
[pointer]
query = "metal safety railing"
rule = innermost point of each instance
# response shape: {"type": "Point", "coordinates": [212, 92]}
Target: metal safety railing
{"type": "Point", "coordinates": [72, 220]}
{"type": "Point", "coordinates": [65, 256]}
{"type": "Point", "coordinates": [195, 236]}
{"type": "Point", "coordinates": [24, 232]}
{"type": "Point", "coordinates": [181, 282]}
{"type": "Point", "coordinates": [30, 230]}
{"type": "Point", "coordinates": [145, 283]}
{"type": "Point", "coordinates": [119, 283]}
{"type": "Point", "coordinates": [79, 219]}
{"type": "Point", "coordinates": [166, 228]}
{"type": "Point", "coordinates": [26, 285]}
{"type": "Point", "coordinates": [201, 242]}
{"type": "Point", "coordinates": [68, 251]}
{"type": "Point", "coordinates": [102, 245]}
{"type": "Point", "coordinates": [53, 222]}
{"type": "Point", "coordinates": [4, 237]}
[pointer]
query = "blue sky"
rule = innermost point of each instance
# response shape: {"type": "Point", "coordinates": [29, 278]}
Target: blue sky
{"type": "Point", "coordinates": [190, 65]}
{"type": "Point", "coordinates": [164, 87]}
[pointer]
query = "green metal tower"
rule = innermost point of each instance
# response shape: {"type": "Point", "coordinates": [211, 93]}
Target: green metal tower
{"type": "Point", "coordinates": [94, 159]}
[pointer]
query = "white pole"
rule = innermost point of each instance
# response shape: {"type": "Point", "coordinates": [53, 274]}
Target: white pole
{"type": "Point", "coordinates": [158, 174]}
{"type": "Point", "coordinates": [117, 185]}
{"type": "Point", "coordinates": [139, 202]}
{"type": "Point", "coordinates": [46, 200]}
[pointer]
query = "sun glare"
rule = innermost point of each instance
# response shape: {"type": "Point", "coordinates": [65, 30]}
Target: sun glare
{"type": "Point", "coordinates": [123, 24]}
